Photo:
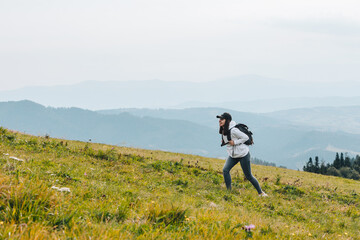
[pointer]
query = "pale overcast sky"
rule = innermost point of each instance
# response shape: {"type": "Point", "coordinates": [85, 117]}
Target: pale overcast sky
{"type": "Point", "coordinates": [52, 42]}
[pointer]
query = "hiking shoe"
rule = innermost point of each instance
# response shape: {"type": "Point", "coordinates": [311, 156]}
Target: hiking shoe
{"type": "Point", "coordinates": [263, 194]}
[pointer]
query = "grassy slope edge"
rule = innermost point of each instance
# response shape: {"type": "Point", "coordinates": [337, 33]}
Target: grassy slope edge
{"type": "Point", "coordinates": [124, 193]}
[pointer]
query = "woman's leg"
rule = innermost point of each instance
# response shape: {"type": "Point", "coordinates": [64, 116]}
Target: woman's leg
{"type": "Point", "coordinates": [229, 164]}
{"type": "Point", "coordinates": [245, 165]}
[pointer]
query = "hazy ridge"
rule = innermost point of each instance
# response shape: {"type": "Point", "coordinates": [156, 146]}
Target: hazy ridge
{"type": "Point", "coordinates": [249, 93]}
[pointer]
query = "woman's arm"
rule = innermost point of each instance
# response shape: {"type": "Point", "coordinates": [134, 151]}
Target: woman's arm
{"type": "Point", "coordinates": [238, 136]}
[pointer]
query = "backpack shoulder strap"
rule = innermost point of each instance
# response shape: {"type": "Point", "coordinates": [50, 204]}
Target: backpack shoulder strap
{"type": "Point", "coordinates": [229, 135]}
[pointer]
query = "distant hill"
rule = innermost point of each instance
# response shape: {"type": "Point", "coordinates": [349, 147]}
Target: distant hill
{"type": "Point", "coordinates": [188, 131]}
{"type": "Point", "coordinates": [123, 129]}
{"type": "Point", "coordinates": [278, 138]}
{"type": "Point", "coordinates": [344, 118]}
{"type": "Point", "coordinates": [248, 93]}
{"type": "Point", "coordinates": [202, 116]}
{"type": "Point", "coordinates": [278, 104]}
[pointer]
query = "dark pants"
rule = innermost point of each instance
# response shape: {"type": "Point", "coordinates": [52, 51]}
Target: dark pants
{"type": "Point", "coordinates": [245, 165]}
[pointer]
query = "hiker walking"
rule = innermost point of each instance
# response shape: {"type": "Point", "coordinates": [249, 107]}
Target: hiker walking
{"type": "Point", "coordinates": [238, 151]}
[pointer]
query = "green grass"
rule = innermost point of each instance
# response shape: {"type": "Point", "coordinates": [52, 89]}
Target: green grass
{"type": "Point", "coordinates": [125, 193]}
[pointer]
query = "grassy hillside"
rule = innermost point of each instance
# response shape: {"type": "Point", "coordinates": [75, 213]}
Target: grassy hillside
{"type": "Point", "coordinates": [59, 189]}
{"type": "Point", "coordinates": [123, 129]}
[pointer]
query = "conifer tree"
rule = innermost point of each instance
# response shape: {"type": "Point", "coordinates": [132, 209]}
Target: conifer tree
{"type": "Point", "coordinates": [337, 163]}
{"type": "Point", "coordinates": [323, 168]}
{"type": "Point", "coordinates": [347, 162]}
{"type": "Point", "coordinates": [316, 166]}
{"type": "Point", "coordinates": [356, 164]}
{"type": "Point", "coordinates": [342, 161]}
{"type": "Point", "coordinates": [309, 166]}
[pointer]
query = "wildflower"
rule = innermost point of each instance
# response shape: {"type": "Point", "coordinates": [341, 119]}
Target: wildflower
{"type": "Point", "coordinates": [23, 225]}
{"type": "Point", "coordinates": [213, 205]}
{"type": "Point", "coordinates": [248, 228]}
{"type": "Point", "coordinates": [1, 223]}
{"type": "Point", "coordinates": [17, 159]}
{"type": "Point", "coordinates": [85, 174]}
{"type": "Point", "coordinates": [64, 189]}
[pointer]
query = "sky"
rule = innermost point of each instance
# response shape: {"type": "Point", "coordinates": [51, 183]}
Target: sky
{"type": "Point", "coordinates": [69, 41]}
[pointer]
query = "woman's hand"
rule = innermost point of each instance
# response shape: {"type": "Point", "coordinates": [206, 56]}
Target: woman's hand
{"type": "Point", "coordinates": [231, 142]}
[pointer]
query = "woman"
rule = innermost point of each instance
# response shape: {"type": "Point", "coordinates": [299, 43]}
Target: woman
{"type": "Point", "coordinates": [237, 150]}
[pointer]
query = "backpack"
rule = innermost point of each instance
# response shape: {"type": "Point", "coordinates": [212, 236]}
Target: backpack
{"type": "Point", "coordinates": [243, 128]}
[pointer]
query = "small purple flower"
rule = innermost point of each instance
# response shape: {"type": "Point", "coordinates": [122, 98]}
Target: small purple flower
{"type": "Point", "coordinates": [23, 225]}
{"type": "Point", "coordinates": [248, 228]}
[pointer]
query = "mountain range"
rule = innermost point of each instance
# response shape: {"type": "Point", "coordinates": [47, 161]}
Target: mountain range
{"type": "Point", "coordinates": [249, 93]}
{"type": "Point", "coordinates": [193, 130]}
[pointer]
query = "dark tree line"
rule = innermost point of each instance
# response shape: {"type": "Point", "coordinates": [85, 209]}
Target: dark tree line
{"type": "Point", "coordinates": [343, 166]}
{"type": "Point", "coordinates": [262, 162]}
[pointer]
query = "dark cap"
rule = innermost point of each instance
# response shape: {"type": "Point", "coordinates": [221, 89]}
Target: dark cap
{"type": "Point", "coordinates": [225, 116]}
